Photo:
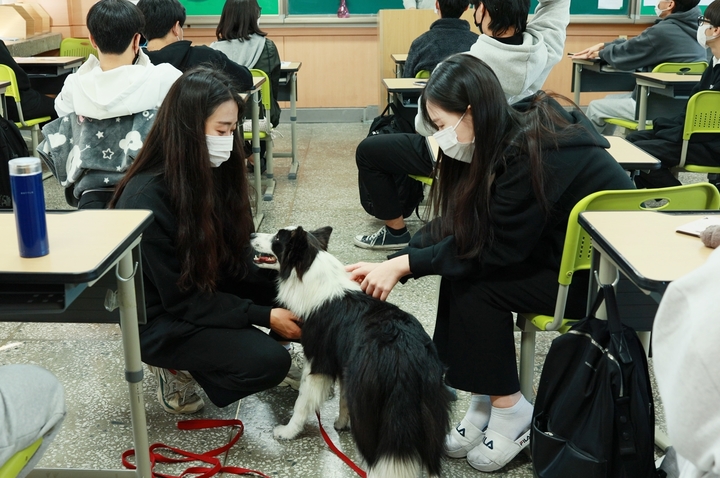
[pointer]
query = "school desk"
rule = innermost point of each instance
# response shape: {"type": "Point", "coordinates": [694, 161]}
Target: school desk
{"type": "Point", "coordinates": [398, 86]}
{"type": "Point", "coordinates": [629, 156]}
{"type": "Point", "coordinates": [3, 101]}
{"type": "Point", "coordinates": [399, 59]}
{"type": "Point", "coordinates": [646, 248]}
{"type": "Point", "coordinates": [662, 94]}
{"type": "Point", "coordinates": [288, 92]}
{"type": "Point", "coordinates": [595, 75]}
{"type": "Point", "coordinates": [87, 248]}
{"type": "Point", "coordinates": [48, 66]}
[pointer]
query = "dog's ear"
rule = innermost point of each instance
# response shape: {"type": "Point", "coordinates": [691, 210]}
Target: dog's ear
{"type": "Point", "coordinates": [323, 236]}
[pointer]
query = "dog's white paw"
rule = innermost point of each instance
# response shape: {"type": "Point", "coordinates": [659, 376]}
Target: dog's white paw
{"type": "Point", "coordinates": [342, 423]}
{"type": "Point", "coordinates": [284, 432]}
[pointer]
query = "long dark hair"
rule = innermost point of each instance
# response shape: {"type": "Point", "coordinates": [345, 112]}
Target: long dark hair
{"type": "Point", "coordinates": [463, 193]}
{"type": "Point", "coordinates": [211, 205]}
{"type": "Point", "coordinates": [239, 20]}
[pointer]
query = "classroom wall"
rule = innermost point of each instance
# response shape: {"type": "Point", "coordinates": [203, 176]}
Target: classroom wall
{"type": "Point", "coordinates": [342, 65]}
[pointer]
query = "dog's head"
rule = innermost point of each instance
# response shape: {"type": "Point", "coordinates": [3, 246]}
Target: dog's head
{"type": "Point", "coordinates": [290, 249]}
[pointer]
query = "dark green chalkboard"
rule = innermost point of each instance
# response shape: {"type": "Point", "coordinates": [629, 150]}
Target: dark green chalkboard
{"type": "Point", "coordinates": [590, 7]}
{"type": "Point", "coordinates": [328, 7]}
{"type": "Point", "coordinates": [214, 7]}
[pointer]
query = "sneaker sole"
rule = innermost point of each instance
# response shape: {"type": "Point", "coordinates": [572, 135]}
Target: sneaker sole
{"type": "Point", "coordinates": [384, 247]}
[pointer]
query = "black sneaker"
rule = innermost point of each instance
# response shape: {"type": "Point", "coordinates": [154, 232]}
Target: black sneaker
{"type": "Point", "coordinates": [383, 240]}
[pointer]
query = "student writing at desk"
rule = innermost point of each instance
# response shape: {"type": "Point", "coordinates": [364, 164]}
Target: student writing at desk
{"type": "Point", "coordinates": [664, 141]}
{"type": "Point", "coordinates": [671, 39]}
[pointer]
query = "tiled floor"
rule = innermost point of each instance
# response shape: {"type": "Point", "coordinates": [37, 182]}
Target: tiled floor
{"type": "Point", "coordinates": [88, 358]}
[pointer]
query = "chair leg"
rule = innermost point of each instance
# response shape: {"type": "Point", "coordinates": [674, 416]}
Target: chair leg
{"type": "Point", "coordinates": [527, 364]}
{"type": "Point", "coordinates": [34, 132]}
{"type": "Point", "coordinates": [269, 157]}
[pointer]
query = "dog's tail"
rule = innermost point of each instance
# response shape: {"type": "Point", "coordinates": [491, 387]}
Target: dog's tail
{"type": "Point", "coordinates": [399, 406]}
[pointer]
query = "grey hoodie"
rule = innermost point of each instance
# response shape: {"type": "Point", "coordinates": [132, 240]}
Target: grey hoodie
{"type": "Point", "coordinates": [522, 69]}
{"type": "Point", "coordinates": [242, 52]}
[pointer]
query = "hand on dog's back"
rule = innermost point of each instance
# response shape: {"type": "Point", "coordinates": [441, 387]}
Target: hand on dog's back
{"type": "Point", "coordinates": [378, 279]}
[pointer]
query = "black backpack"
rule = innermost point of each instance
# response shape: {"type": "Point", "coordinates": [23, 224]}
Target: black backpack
{"type": "Point", "coordinates": [594, 414]}
{"type": "Point", "coordinates": [409, 190]}
{"type": "Point", "coordinates": [12, 145]}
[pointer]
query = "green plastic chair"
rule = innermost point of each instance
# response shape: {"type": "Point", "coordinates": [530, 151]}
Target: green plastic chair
{"type": "Point", "coordinates": [77, 47]}
{"type": "Point", "coordinates": [423, 74]}
{"type": "Point", "coordinates": [696, 68]}
{"type": "Point", "coordinates": [702, 115]}
{"type": "Point", "coordinates": [577, 252]}
{"type": "Point", "coordinates": [17, 462]}
{"type": "Point", "coordinates": [265, 100]}
{"type": "Point", "coordinates": [12, 91]}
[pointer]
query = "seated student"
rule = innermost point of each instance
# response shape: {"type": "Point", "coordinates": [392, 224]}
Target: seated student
{"type": "Point", "coordinates": [664, 141]}
{"type": "Point", "coordinates": [33, 407]}
{"type": "Point", "coordinates": [503, 208]}
{"type": "Point", "coordinates": [240, 38]}
{"type": "Point", "coordinates": [521, 53]}
{"type": "Point", "coordinates": [204, 296]}
{"type": "Point", "coordinates": [671, 39]}
{"type": "Point", "coordinates": [412, 4]}
{"type": "Point", "coordinates": [164, 20]}
{"type": "Point", "coordinates": [685, 361]}
{"type": "Point", "coordinates": [34, 103]}
{"type": "Point", "coordinates": [446, 36]}
{"type": "Point", "coordinates": [120, 82]}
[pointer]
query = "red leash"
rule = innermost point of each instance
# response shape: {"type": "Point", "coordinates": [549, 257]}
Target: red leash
{"type": "Point", "coordinates": [210, 458]}
{"type": "Point", "coordinates": [337, 451]}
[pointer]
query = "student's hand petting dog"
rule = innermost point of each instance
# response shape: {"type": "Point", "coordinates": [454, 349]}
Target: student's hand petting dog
{"type": "Point", "coordinates": [591, 52]}
{"type": "Point", "coordinates": [285, 323]}
{"type": "Point", "coordinates": [378, 279]}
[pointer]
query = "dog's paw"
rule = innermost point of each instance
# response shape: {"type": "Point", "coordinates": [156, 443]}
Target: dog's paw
{"type": "Point", "coordinates": [284, 432]}
{"type": "Point", "coordinates": [342, 423]}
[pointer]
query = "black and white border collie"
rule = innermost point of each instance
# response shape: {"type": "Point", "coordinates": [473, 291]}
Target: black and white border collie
{"type": "Point", "coordinates": [389, 373]}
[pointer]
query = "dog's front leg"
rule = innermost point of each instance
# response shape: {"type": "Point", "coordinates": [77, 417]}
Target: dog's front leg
{"type": "Point", "coordinates": [314, 389]}
{"type": "Point", "coordinates": [343, 419]}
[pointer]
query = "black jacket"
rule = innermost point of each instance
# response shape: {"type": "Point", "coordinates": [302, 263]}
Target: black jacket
{"type": "Point", "coordinates": [183, 56]}
{"type": "Point", "coordinates": [31, 98]}
{"type": "Point", "coordinates": [445, 37]}
{"type": "Point", "coordinates": [522, 235]}
{"type": "Point", "coordinates": [269, 62]}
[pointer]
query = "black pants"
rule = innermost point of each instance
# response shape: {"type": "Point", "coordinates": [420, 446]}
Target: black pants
{"type": "Point", "coordinates": [474, 328]}
{"type": "Point", "coordinates": [34, 105]}
{"type": "Point", "coordinates": [380, 158]}
{"type": "Point", "coordinates": [668, 153]}
{"type": "Point", "coordinates": [229, 364]}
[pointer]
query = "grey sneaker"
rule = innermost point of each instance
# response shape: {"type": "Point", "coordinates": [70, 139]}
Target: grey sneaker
{"type": "Point", "coordinates": [383, 240]}
{"type": "Point", "coordinates": [177, 391]}
{"type": "Point", "coordinates": [297, 363]}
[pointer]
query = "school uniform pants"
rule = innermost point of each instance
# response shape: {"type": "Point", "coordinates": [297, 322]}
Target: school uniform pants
{"type": "Point", "coordinates": [474, 331]}
{"type": "Point", "coordinates": [229, 364]}
{"type": "Point", "coordinates": [380, 158]}
{"type": "Point", "coordinates": [668, 153]}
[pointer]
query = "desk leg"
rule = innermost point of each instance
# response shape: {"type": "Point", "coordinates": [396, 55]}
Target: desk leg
{"type": "Point", "coordinates": [642, 107]}
{"type": "Point", "coordinates": [294, 164]}
{"type": "Point", "coordinates": [133, 364]}
{"type": "Point", "coordinates": [576, 80]}
{"type": "Point", "coordinates": [255, 117]}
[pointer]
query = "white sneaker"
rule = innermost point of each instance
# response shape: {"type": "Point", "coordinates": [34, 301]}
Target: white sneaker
{"type": "Point", "coordinates": [496, 451]}
{"type": "Point", "coordinates": [463, 438]}
{"type": "Point", "coordinates": [297, 364]}
{"type": "Point", "coordinates": [177, 391]}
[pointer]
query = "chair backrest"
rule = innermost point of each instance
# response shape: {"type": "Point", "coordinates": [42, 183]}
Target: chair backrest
{"type": "Point", "coordinates": [695, 68]}
{"type": "Point", "coordinates": [424, 74]}
{"type": "Point", "coordinates": [702, 114]}
{"type": "Point", "coordinates": [7, 74]}
{"type": "Point", "coordinates": [77, 47]}
{"type": "Point", "coordinates": [265, 93]}
{"type": "Point", "coordinates": [577, 250]}
{"type": "Point", "coordinates": [17, 462]}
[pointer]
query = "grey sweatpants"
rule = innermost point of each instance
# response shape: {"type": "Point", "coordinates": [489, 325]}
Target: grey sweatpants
{"type": "Point", "coordinates": [620, 105]}
{"type": "Point", "coordinates": [32, 405]}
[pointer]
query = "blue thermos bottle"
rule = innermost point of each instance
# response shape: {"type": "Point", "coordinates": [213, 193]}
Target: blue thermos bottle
{"type": "Point", "coordinates": [29, 206]}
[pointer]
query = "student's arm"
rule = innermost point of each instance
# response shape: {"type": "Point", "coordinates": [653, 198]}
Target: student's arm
{"type": "Point", "coordinates": [63, 101]}
{"type": "Point", "coordinates": [412, 61]}
{"type": "Point", "coordinates": [274, 74]}
{"type": "Point", "coordinates": [641, 51]}
{"type": "Point", "coordinates": [551, 20]}
{"type": "Point", "coordinates": [241, 74]}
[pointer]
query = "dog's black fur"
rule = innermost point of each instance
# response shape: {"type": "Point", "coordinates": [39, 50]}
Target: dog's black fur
{"type": "Point", "coordinates": [388, 367]}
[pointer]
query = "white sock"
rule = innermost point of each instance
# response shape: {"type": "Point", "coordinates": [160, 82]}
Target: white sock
{"type": "Point", "coordinates": [478, 412]}
{"type": "Point", "coordinates": [511, 422]}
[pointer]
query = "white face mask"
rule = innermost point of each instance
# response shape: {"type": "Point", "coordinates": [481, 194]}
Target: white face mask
{"type": "Point", "coordinates": [219, 148]}
{"type": "Point", "coordinates": [702, 38]}
{"type": "Point", "coordinates": [448, 142]}
{"type": "Point", "coordinates": [658, 12]}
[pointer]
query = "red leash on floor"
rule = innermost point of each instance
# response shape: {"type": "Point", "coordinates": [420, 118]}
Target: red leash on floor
{"type": "Point", "coordinates": [337, 451]}
{"type": "Point", "coordinates": [210, 458]}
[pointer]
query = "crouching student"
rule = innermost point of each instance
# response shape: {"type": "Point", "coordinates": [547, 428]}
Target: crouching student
{"type": "Point", "coordinates": [204, 296]}
{"type": "Point", "coordinates": [503, 209]}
